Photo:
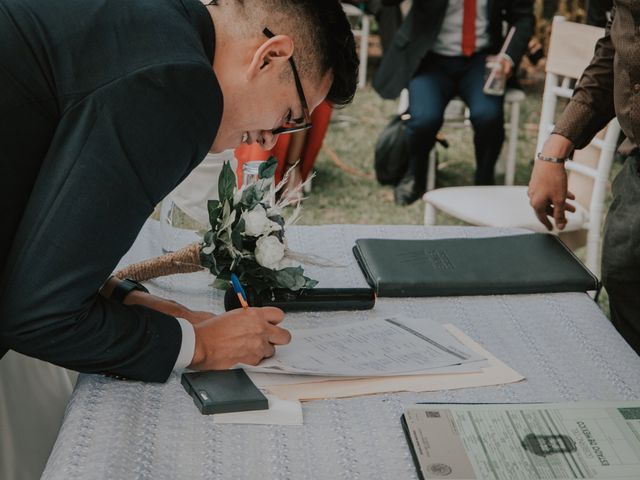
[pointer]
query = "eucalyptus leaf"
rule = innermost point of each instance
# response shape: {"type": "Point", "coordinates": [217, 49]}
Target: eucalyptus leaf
{"type": "Point", "coordinates": [221, 284]}
{"type": "Point", "coordinates": [251, 197]}
{"type": "Point", "coordinates": [268, 169]}
{"type": "Point", "coordinates": [226, 183]}
{"type": "Point", "coordinates": [310, 282]}
{"type": "Point", "coordinates": [286, 277]}
{"type": "Point", "coordinates": [213, 207]}
{"type": "Point", "coordinates": [279, 219]}
{"type": "Point", "coordinates": [226, 211]}
{"type": "Point", "coordinates": [300, 282]}
{"type": "Point", "coordinates": [236, 234]}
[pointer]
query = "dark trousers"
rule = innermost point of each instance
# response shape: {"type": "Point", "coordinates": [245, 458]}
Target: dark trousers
{"type": "Point", "coordinates": [437, 81]}
{"type": "Point", "coordinates": [621, 253]}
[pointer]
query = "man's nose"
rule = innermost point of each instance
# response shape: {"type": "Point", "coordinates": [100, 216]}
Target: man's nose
{"type": "Point", "coordinates": [268, 140]}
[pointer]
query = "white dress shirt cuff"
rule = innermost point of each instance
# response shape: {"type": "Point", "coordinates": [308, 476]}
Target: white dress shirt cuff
{"type": "Point", "coordinates": [188, 345]}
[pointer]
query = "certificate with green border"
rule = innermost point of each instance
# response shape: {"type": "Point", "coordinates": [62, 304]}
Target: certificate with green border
{"type": "Point", "coordinates": [525, 441]}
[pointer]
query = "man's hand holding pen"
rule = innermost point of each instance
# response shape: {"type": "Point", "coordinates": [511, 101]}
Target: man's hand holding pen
{"type": "Point", "coordinates": [244, 335]}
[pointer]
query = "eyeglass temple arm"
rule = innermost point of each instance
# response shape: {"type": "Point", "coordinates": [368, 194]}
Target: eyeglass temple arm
{"type": "Point", "coordinates": [296, 78]}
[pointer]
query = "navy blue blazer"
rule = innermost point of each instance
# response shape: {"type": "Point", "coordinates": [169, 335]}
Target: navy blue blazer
{"type": "Point", "coordinates": [105, 105]}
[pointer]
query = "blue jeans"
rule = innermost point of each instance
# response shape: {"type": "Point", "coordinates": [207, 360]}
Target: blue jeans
{"type": "Point", "coordinates": [436, 82]}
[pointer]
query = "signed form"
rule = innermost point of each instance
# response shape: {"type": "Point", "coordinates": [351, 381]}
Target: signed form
{"type": "Point", "coordinates": [377, 347]}
{"type": "Point", "coordinates": [525, 442]}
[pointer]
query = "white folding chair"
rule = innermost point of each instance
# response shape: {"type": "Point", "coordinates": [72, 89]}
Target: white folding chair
{"type": "Point", "coordinates": [570, 51]}
{"type": "Point", "coordinates": [362, 25]}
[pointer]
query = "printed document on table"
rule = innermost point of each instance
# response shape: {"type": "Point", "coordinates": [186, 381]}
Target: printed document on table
{"type": "Point", "coordinates": [268, 379]}
{"type": "Point", "coordinates": [526, 442]}
{"type": "Point", "coordinates": [376, 347]}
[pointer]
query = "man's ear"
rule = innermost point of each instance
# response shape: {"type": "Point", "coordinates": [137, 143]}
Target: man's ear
{"type": "Point", "coordinates": [271, 54]}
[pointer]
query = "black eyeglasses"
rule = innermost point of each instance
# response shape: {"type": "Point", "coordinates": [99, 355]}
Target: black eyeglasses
{"type": "Point", "coordinates": [293, 124]}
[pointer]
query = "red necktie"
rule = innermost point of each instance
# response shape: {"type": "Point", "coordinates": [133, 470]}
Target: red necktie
{"type": "Point", "coordinates": [469, 28]}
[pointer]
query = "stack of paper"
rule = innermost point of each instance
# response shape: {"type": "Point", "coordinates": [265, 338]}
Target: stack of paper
{"type": "Point", "coordinates": [376, 356]}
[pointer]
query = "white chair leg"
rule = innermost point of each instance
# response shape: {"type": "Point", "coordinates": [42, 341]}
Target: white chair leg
{"type": "Point", "coordinates": [364, 51]}
{"type": "Point", "coordinates": [432, 169]}
{"type": "Point", "coordinates": [429, 214]}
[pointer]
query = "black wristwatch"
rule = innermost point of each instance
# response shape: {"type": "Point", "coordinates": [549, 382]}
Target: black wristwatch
{"type": "Point", "coordinates": [124, 287]}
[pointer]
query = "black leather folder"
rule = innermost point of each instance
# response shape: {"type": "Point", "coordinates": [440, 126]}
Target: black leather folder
{"type": "Point", "coordinates": [529, 263]}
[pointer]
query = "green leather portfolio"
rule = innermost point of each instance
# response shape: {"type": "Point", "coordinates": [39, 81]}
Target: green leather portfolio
{"type": "Point", "coordinates": [530, 263]}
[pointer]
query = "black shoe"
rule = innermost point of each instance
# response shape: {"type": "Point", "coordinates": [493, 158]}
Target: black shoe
{"type": "Point", "coordinates": [407, 191]}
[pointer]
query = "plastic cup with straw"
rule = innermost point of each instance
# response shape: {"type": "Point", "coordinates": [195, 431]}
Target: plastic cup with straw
{"type": "Point", "coordinates": [495, 83]}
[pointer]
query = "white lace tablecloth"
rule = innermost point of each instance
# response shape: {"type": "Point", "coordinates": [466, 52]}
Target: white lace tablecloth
{"type": "Point", "coordinates": [562, 343]}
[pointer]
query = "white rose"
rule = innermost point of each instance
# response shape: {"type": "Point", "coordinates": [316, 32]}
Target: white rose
{"type": "Point", "coordinates": [269, 251]}
{"type": "Point", "coordinates": [257, 223]}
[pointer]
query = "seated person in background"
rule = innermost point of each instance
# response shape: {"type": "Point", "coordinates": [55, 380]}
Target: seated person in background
{"type": "Point", "coordinates": [296, 153]}
{"type": "Point", "coordinates": [440, 51]}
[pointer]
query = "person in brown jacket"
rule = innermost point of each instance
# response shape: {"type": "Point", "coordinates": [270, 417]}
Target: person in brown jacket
{"type": "Point", "coordinates": [609, 86]}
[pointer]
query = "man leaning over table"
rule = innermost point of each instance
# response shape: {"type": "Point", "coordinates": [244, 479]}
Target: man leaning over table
{"type": "Point", "coordinates": [610, 86]}
{"type": "Point", "coordinates": [105, 106]}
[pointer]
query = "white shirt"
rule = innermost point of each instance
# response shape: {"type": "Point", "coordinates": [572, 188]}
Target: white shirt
{"type": "Point", "coordinates": [188, 346]}
{"type": "Point", "coordinates": [449, 40]}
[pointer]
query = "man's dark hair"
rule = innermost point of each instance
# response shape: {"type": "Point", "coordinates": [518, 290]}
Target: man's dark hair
{"type": "Point", "coordinates": [335, 47]}
{"type": "Point", "coordinates": [322, 38]}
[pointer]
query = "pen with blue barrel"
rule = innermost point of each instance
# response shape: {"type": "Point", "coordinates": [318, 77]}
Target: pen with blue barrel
{"type": "Point", "coordinates": [237, 287]}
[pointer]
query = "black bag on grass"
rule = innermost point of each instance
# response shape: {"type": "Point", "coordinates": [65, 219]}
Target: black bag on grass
{"type": "Point", "coordinates": [392, 152]}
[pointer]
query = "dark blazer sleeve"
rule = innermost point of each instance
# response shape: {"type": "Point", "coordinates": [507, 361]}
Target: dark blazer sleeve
{"type": "Point", "coordinates": [592, 105]}
{"type": "Point", "coordinates": [519, 14]}
{"type": "Point", "coordinates": [115, 154]}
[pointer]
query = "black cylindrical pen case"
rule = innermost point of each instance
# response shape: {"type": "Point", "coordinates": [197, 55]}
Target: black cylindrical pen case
{"type": "Point", "coordinates": [307, 300]}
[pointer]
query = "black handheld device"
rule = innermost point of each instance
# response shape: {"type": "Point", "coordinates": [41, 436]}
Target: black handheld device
{"type": "Point", "coordinates": [223, 391]}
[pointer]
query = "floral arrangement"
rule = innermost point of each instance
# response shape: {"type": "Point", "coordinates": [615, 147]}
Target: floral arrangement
{"type": "Point", "coordinates": [247, 235]}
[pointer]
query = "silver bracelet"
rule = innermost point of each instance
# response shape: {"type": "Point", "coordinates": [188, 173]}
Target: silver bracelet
{"type": "Point", "coordinates": [550, 159]}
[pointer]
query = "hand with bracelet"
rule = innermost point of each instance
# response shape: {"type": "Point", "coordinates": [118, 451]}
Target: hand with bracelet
{"type": "Point", "coordinates": [548, 192]}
